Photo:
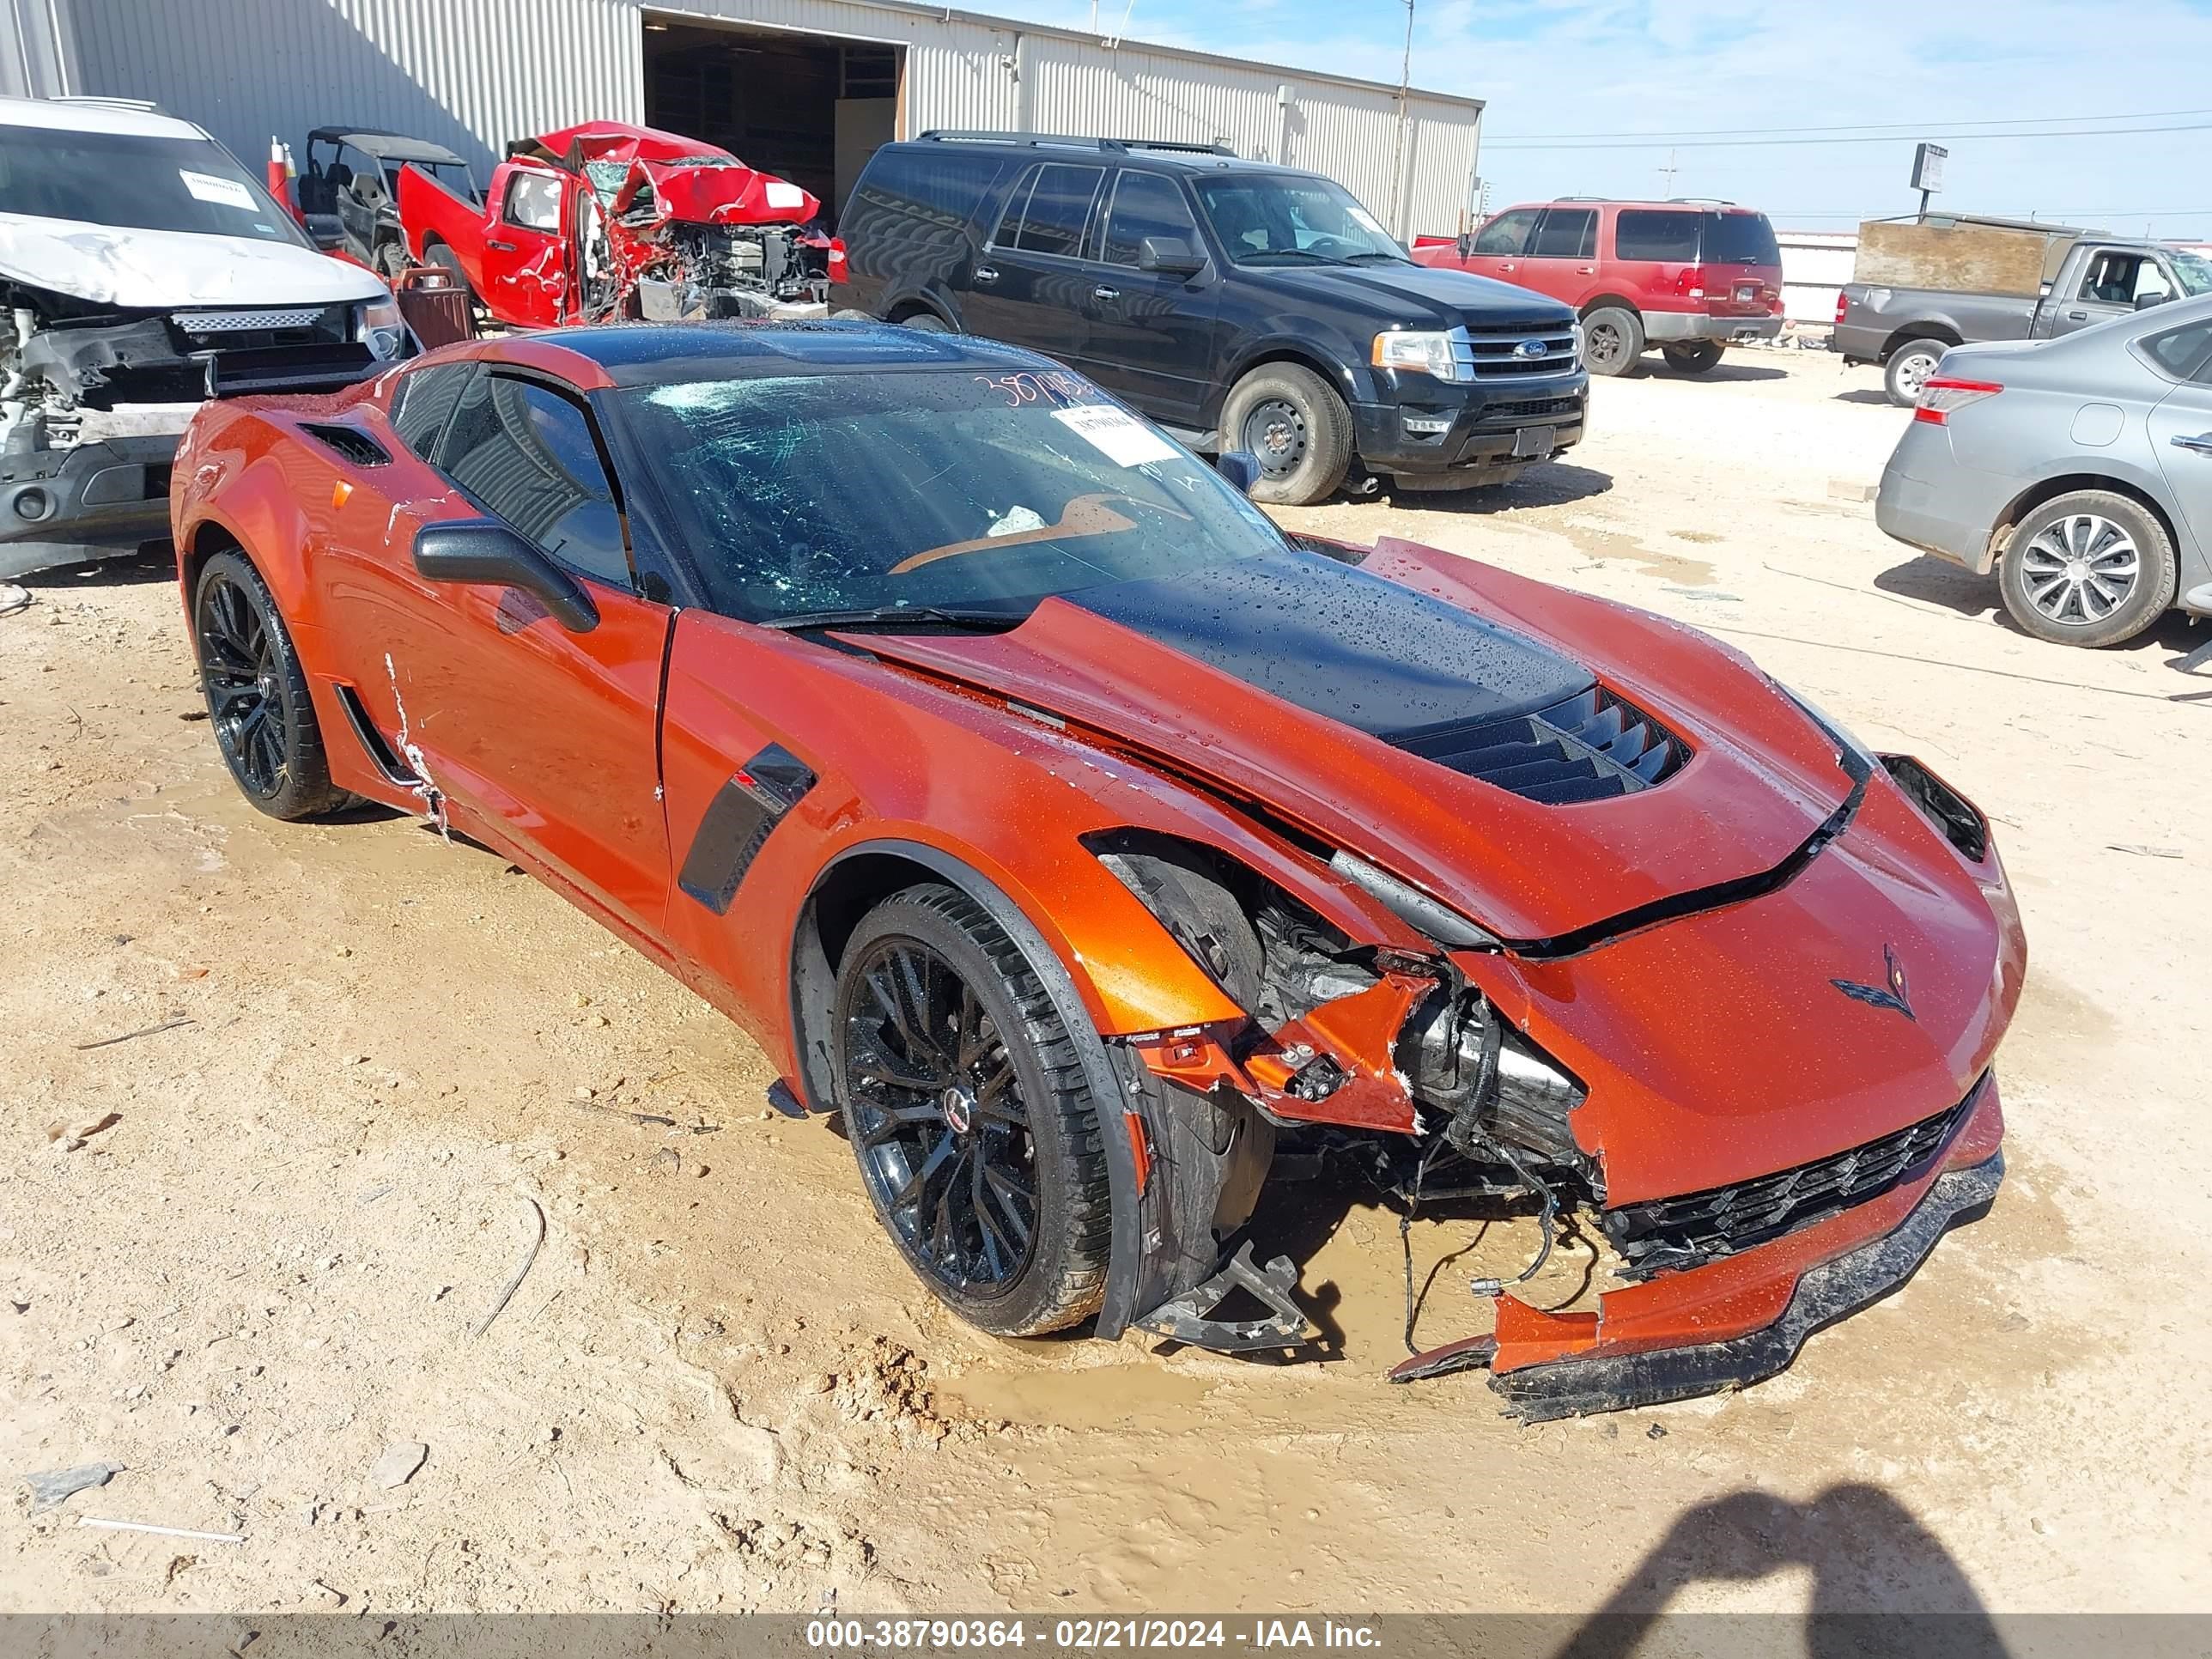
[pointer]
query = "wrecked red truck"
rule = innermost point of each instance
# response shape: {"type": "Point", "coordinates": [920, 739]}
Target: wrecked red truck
{"type": "Point", "coordinates": [605, 221]}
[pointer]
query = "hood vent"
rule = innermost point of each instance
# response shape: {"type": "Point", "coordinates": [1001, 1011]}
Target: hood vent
{"type": "Point", "coordinates": [1591, 746]}
{"type": "Point", "coordinates": [351, 442]}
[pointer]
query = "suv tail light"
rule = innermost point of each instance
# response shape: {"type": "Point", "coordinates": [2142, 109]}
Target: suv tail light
{"type": "Point", "coordinates": [1690, 282]}
{"type": "Point", "coordinates": [1941, 398]}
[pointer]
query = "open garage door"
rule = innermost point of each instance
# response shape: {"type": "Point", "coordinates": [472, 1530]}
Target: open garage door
{"type": "Point", "coordinates": [810, 108]}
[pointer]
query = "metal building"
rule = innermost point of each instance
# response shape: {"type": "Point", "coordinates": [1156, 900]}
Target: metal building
{"type": "Point", "coordinates": [806, 89]}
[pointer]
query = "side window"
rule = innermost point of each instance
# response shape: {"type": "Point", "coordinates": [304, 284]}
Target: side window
{"type": "Point", "coordinates": [528, 455]}
{"type": "Point", "coordinates": [1566, 234]}
{"type": "Point", "coordinates": [422, 402]}
{"type": "Point", "coordinates": [934, 181]}
{"type": "Point", "coordinates": [1058, 210]}
{"type": "Point", "coordinates": [2184, 353]}
{"type": "Point", "coordinates": [533, 202]}
{"type": "Point", "coordinates": [1661, 234]}
{"type": "Point", "coordinates": [1507, 234]}
{"type": "Point", "coordinates": [1145, 205]}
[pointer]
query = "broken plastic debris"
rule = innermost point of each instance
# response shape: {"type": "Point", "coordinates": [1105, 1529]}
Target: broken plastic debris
{"type": "Point", "coordinates": [51, 1487]}
{"type": "Point", "coordinates": [396, 1466]}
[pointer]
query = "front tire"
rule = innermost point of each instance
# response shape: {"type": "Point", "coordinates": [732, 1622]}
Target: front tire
{"type": "Point", "coordinates": [258, 704]}
{"type": "Point", "coordinates": [2090, 568]}
{"type": "Point", "coordinates": [1297, 427]}
{"type": "Point", "coordinates": [1908, 369]}
{"type": "Point", "coordinates": [1612, 339]}
{"type": "Point", "coordinates": [1693, 357]}
{"type": "Point", "coordinates": [968, 1108]}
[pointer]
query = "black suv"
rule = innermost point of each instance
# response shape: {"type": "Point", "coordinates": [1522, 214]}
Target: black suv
{"type": "Point", "coordinates": [1242, 306]}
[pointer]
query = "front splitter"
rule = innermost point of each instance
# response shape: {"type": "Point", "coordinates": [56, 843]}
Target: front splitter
{"type": "Point", "coordinates": [1606, 1382]}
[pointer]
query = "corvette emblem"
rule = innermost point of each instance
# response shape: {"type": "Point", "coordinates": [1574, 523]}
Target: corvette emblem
{"type": "Point", "coordinates": [1892, 996]}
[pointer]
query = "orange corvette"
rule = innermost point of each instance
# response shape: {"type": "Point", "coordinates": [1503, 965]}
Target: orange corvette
{"type": "Point", "coordinates": [1077, 837]}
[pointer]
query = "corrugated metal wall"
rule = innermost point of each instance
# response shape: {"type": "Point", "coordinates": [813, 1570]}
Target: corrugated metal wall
{"type": "Point", "coordinates": [37, 56]}
{"type": "Point", "coordinates": [475, 73]}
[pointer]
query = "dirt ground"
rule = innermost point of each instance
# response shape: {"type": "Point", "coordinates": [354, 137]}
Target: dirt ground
{"type": "Point", "coordinates": [717, 1388]}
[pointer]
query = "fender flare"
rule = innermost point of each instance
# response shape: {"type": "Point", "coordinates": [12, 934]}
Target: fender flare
{"type": "Point", "coordinates": [1125, 1254]}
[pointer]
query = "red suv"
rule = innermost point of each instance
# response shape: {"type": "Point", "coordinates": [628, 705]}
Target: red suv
{"type": "Point", "coordinates": [1687, 276]}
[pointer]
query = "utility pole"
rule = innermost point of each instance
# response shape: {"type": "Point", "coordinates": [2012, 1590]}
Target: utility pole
{"type": "Point", "coordinates": [1399, 207]}
{"type": "Point", "coordinates": [1668, 173]}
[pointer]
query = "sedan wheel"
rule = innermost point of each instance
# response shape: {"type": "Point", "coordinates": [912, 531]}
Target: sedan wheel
{"type": "Point", "coordinates": [2091, 567]}
{"type": "Point", "coordinates": [967, 1109]}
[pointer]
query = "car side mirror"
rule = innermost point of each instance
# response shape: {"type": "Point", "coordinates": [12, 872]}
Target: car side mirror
{"type": "Point", "coordinates": [1240, 467]}
{"type": "Point", "coordinates": [325, 230]}
{"type": "Point", "coordinates": [1171, 256]}
{"type": "Point", "coordinates": [2145, 301]}
{"type": "Point", "coordinates": [1465, 239]}
{"type": "Point", "coordinates": [486, 552]}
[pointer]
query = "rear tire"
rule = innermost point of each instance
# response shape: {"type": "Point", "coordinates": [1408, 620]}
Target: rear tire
{"type": "Point", "coordinates": [1908, 369]}
{"type": "Point", "coordinates": [1612, 340]}
{"type": "Point", "coordinates": [1692, 356]}
{"type": "Point", "coordinates": [258, 705]}
{"type": "Point", "coordinates": [2089, 567]}
{"type": "Point", "coordinates": [441, 255]}
{"type": "Point", "coordinates": [1296, 426]}
{"type": "Point", "coordinates": [967, 1106]}
{"type": "Point", "coordinates": [926, 322]}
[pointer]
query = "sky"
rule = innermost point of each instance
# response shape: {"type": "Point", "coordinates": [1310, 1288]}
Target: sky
{"type": "Point", "coordinates": [1968, 74]}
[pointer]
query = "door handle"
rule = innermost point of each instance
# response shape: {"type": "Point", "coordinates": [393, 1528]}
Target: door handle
{"type": "Point", "coordinates": [1507, 265]}
{"type": "Point", "coordinates": [987, 273]}
{"type": "Point", "coordinates": [1105, 293]}
{"type": "Point", "coordinates": [2201, 443]}
{"type": "Point", "coordinates": [500, 248]}
{"type": "Point", "coordinates": [1586, 271]}
{"type": "Point", "coordinates": [2077, 316]}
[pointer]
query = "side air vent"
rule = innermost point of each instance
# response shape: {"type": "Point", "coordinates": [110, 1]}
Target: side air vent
{"type": "Point", "coordinates": [1591, 746]}
{"type": "Point", "coordinates": [351, 442]}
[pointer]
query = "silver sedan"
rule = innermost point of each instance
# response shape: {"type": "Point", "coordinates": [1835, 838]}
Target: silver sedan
{"type": "Point", "coordinates": [2079, 470]}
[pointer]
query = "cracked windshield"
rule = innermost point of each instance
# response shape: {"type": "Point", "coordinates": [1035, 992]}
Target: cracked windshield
{"type": "Point", "coordinates": [985, 493]}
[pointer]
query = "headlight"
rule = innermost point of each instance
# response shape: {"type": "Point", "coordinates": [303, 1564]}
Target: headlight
{"type": "Point", "coordinates": [1421, 353]}
{"type": "Point", "coordinates": [381, 328]}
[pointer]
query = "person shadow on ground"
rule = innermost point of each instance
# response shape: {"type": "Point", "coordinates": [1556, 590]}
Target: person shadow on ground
{"type": "Point", "coordinates": [1882, 1583]}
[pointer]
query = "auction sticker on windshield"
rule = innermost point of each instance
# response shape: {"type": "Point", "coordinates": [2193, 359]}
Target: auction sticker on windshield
{"type": "Point", "coordinates": [223, 192]}
{"type": "Point", "coordinates": [1115, 433]}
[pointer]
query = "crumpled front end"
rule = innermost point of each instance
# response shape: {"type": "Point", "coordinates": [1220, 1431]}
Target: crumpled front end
{"type": "Point", "coordinates": [686, 230]}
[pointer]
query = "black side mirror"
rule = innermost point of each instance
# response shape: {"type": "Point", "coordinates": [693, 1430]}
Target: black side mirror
{"type": "Point", "coordinates": [486, 552]}
{"type": "Point", "coordinates": [325, 230]}
{"type": "Point", "coordinates": [1240, 467]}
{"type": "Point", "coordinates": [1171, 256]}
{"type": "Point", "coordinates": [2145, 301]}
{"type": "Point", "coordinates": [1466, 241]}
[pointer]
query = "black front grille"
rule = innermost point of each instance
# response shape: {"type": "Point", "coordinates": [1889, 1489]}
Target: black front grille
{"type": "Point", "coordinates": [1521, 411]}
{"type": "Point", "coordinates": [1591, 746]}
{"type": "Point", "coordinates": [1664, 1234]}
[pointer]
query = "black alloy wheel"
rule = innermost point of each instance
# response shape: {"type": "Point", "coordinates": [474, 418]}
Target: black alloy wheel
{"type": "Point", "coordinates": [965, 1104]}
{"type": "Point", "coordinates": [257, 694]}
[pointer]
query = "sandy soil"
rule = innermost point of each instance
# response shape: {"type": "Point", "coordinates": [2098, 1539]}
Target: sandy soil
{"type": "Point", "coordinates": [717, 1388]}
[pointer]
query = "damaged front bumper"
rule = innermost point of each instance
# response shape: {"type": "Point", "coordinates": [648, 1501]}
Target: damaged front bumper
{"type": "Point", "coordinates": [93, 501]}
{"type": "Point", "coordinates": [1736, 1320]}
{"type": "Point", "coordinates": [1601, 1382]}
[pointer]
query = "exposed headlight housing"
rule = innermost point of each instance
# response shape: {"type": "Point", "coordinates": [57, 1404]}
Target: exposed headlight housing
{"type": "Point", "coordinates": [381, 328]}
{"type": "Point", "coordinates": [1447, 354]}
{"type": "Point", "coordinates": [1425, 915]}
{"type": "Point", "coordinates": [1835, 730]}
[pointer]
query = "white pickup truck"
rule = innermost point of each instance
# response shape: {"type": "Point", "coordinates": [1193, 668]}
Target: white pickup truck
{"type": "Point", "coordinates": [142, 271]}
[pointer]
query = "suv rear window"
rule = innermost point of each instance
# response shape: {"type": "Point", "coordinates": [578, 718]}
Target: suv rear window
{"type": "Point", "coordinates": [936, 181]}
{"type": "Point", "coordinates": [1740, 239]}
{"type": "Point", "coordinates": [1052, 211]}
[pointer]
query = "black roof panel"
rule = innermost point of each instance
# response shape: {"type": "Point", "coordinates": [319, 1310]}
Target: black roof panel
{"type": "Point", "coordinates": [660, 354]}
{"type": "Point", "coordinates": [385, 145]}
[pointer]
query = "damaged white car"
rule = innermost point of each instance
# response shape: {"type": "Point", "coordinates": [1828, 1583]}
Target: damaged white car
{"type": "Point", "coordinates": [142, 271]}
